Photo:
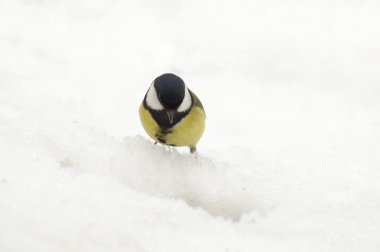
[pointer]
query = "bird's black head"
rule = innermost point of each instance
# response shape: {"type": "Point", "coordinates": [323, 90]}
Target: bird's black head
{"type": "Point", "coordinates": [170, 90]}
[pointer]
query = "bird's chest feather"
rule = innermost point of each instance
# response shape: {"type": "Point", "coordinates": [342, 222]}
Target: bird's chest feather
{"type": "Point", "coordinates": [185, 131]}
{"type": "Point", "coordinates": [165, 126]}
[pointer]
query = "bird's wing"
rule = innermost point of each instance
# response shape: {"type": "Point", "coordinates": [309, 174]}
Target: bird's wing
{"type": "Point", "coordinates": [197, 102]}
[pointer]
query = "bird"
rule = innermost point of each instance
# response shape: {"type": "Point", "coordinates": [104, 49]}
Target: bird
{"type": "Point", "coordinates": [171, 114]}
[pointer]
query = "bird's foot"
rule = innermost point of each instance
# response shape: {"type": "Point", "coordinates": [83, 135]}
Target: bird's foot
{"type": "Point", "coordinates": [193, 149]}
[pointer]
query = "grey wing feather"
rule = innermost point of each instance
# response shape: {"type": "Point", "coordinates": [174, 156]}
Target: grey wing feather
{"type": "Point", "coordinates": [197, 102]}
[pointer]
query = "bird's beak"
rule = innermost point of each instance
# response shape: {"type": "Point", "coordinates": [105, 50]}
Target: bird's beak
{"type": "Point", "coordinates": [170, 115]}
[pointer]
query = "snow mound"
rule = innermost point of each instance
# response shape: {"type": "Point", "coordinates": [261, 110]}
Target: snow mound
{"type": "Point", "coordinates": [200, 181]}
{"type": "Point", "coordinates": [79, 185]}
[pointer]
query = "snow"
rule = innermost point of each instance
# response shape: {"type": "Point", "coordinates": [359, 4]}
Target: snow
{"type": "Point", "coordinates": [289, 160]}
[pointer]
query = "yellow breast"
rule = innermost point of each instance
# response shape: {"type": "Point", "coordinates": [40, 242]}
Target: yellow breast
{"type": "Point", "coordinates": [186, 132]}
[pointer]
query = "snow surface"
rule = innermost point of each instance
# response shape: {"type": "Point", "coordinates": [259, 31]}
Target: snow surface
{"type": "Point", "coordinates": [290, 159]}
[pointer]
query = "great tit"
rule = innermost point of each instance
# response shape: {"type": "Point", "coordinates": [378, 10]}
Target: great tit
{"type": "Point", "coordinates": [171, 113]}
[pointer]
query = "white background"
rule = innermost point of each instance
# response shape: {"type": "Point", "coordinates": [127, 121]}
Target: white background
{"type": "Point", "coordinates": [289, 161]}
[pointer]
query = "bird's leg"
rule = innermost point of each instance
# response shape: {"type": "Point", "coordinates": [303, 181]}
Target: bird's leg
{"type": "Point", "coordinates": [155, 143]}
{"type": "Point", "coordinates": [193, 149]}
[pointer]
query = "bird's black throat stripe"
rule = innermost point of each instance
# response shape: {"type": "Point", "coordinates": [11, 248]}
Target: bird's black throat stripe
{"type": "Point", "coordinates": [161, 118]}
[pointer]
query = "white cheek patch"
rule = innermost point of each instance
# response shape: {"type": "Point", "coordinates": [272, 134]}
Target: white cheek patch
{"type": "Point", "coordinates": [152, 99]}
{"type": "Point", "coordinates": [186, 103]}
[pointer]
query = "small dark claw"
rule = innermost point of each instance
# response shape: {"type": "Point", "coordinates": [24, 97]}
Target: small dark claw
{"type": "Point", "coordinates": [193, 149]}
{"type": "Point", "coordinates": [155, 143]}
